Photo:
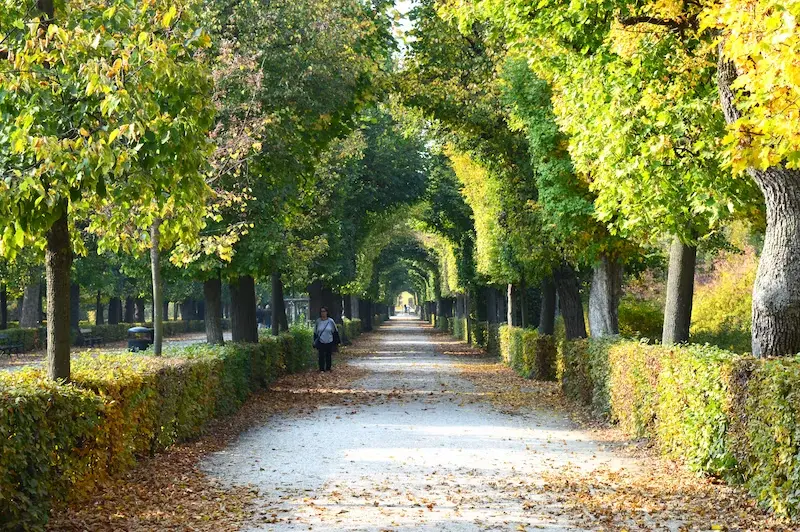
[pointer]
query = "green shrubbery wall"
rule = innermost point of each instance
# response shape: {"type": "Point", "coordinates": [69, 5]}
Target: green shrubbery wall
{"type": "Point", "coordinates": [58, 440]}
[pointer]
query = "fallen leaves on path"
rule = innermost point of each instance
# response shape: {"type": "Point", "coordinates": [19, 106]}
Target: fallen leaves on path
{"type": "Point", "coordinates": [169, 492]}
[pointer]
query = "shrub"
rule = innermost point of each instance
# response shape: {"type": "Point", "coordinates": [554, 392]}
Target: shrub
{"type": "Point", "coordinates": [493, 339]}
{"type": "Point", "coordinates": [693, 410]}
{"type": "Point", "coordinates": [631, 386]}
{"type": "Point", "coordinates": [352, 328]}
{"type": "Point", "coordinates": [29, 339]}
{"type": "Point", "coordinates": [58, 440]}
{"type": "Point", "coordinates": [480, 331]}
{"type": "Point", "coordinates": [640, 318]}
{"type": "Point", "coordinates": [527, 353]}
{"type": "Point", "coordinates": [765, 432]}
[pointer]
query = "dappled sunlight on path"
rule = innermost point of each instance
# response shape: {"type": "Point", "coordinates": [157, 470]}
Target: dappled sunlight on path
{"type": "Point", "coordinates": [428, 441]}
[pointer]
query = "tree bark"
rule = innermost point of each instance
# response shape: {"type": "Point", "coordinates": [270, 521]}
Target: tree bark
{"type": "Point", "coordinates": [58, 261]}
{"type": "Point", "coordinates": [31, 300]}
{"type": "Point", "coordinates": [604, 296]}
{"type": "Point", "coordinates": [523, 303]}
{"type": "Point", "coordinates": [140, 317]}
{"type": "Point", "coordinates": [3, 307]}
{"type": "Point", "coordinates": [129, 315]}
{"type": "Point", "coordinates": [279, 321]}
{"type": "Point", "coordinates": [175, 308]}
{"type": "Point", "coordinates": [510, 305]}
{"type": "Point", "coordinates": [547, 314]}
{"type": "Point", "coordinates": [158, 292]}
{"type": "Point", "coordinates": [569, 295]}
{"type": "Point", "coordinates": [680, 291]}
{"type": "Point", "coordinates": [165, 310]}
{"type": "Point", "coordinates": [98, 309]}
{"type": "Point", "coordinates": [114, 310]}
{"type": "Point", "coordinates": [776, 291]}
{"type": "Point", "coordinates": [244, 326]}
{"type": "Point", "coordinates": [212, 290]}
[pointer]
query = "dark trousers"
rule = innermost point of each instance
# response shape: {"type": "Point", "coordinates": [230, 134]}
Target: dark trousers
{"type": "Point", "coordinates": [325, 356]}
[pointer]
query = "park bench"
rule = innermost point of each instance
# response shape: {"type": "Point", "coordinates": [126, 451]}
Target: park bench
{"type": "Point", "coordinates": [91, 340]}
{"type": "Point", "coordinates": [8, 346]}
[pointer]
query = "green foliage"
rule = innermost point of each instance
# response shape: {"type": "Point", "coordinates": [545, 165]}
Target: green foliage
{"type": "Point", "coordinates": [722, 309]}
{"type": "Point", "coordinates": [765, 430]}
{"type": "Point", "coordinates": [693, 410]}
{"type": "Point", "coordinates": [529, 354]}
{"type": "Point", "coordinates": [633, 376]}
{"type": "Point", "coordinates": [639, 318]}
{"type": "Point", "coordinates": [480, 334]}
{"type": "Point", "coordinates": [352, 328]}
{"type": "Point", "coordinates": [59, 440]}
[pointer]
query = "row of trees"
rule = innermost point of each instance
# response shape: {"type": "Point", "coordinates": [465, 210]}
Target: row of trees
{"type": "Point", "coordinates": [582, 134]}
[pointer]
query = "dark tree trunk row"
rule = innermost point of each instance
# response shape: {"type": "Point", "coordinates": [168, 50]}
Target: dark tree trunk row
{"type": "Point", "coordinates": [244, 326]}
{"type": "Point", "coordinates": [31, 303]}
{"type": "Point", "coordinates": [98, 309]}
{"type": "Point", "coordinates": [130, 310]}
{"type": "Point", "coordinates": [279, 321]}
{"type": "Point", "coordinates": [3, 307]}
{"type": "Point", "coordinates": [547, 313]}
{"type": "Point", "coordinates": [569, 296]}
{"type": "Point", "coordinates": [212, 290]}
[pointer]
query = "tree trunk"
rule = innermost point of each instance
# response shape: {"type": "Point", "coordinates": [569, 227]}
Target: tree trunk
{"type": "Point", "coordinates": [3, 307]}
{"type": "Point", "coordinates": [523, 303]}
{"type": "Point", "coordinates": [75, 307]}
{"type": "Point", "coordinates": [547, 314]}
{"type": "Point", "coordinates": [212, 290]}
{"type": "Point", "coordinates": [776, 291]}
{"type": "Point", "coordinates": [510, 305]}
{"type": "Point", "coordinates": [244, 326]}
{"type": "Point", "coordinates": [491, 304]}
{"type": "Point", "coordinates": [140, 318]}
{"type": "Point", "coordinates": [279, 321]}
{"type": "Point", "coordinates": [569, 295]}
{"type": "Point", "coordinates": [158, 292]}
{"type": "Point", "coordinates": [175, 310]}
{"type": "Point", "coordinates": [58, 262]}
{"type": "Point", "coordinates": [31, 300]}
{"type": "Point", "coordinates": [466, 316]}
{"type": "Point", "coordinates": [165, 310]}
{"type": "Point", "coordinates": [114, 308]}
{"type": "Point", "coordinates": [604, 296]}
{"type": "Point", "coordinates": [98, 309]}
{"type": "Point", "coordinates": [130, 310]}
{"type": "Point", "coordinates": [680, 291]}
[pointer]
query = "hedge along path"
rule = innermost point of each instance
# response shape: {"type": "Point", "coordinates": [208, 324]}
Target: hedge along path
{"type": "Point", "coordinates": [171, 492]}
{"type": "Point", "coordinates": [436, 436]}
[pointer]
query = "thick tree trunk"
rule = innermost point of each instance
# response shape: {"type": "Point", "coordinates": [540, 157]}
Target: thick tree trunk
{"type": "Point", "coordinates": [491, 304]}
{"type": "Point", "coordinates": [365, 310]}
{"type": "Point", "coordinates": [604, 296]}
{"type": "Point", "coordinates": [523, 303]}
{"type": "Point", "coordinates": [279, 321]}
{"type": "Point", "coordinates": [569, 295]}
{"type": "Point", "coordinates": [547, 314]}
{"type": "Point", "coordinates": [58, 261]}
{"type": "Point", "coordinates": [74, 307]}
{"type": "Point", "coordinates": [31, 301]}
{"type": "Point", "coordinates": [130, 311]}
{"type": "Point", "coordinates": [244, 326]}
{"type": "Point", "coordinates": [175, 308]}
{"type": "Point", "coordinates": [680, 291]}
{"type": "Point", "coordinates": [3, 307]}
{"type": "Point", "coordinates": [98, 309]}
{"type": "Point", "coordinates": [140, 317]}
{"type": "Point", "coordinates": [212, 289]}
{"type": "Point", "coordinates": [510, 305]}
{"type": "Point", "coordinates": [165, 310]}
{"type": "Point", "coordinates": [314, 299]}
{"type": "Point", "coordinates": [776, 291]}
{"type": "Point", "coordinates": [158, 291]}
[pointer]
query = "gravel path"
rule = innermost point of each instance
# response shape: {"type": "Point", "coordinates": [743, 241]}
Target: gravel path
{"type": "Point", "coordinates": [422, 451]}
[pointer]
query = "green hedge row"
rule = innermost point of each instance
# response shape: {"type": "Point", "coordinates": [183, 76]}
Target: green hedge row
{"type": "Point", "coordinates": [530, 354]}
{"type": "Point", "coordinates": [352, 328]}
{"type": "Point", "coordinates": [59, 440]}
{"type": "Point", "coordinates": [721, 413]}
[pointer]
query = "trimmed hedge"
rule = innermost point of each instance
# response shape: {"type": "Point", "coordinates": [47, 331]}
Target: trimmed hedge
{"type": "Point", "coordinates": [721, 413]}
{"type": "Point", "coordinates": [30, 339]}
{"type": "Point", "coordinates": [529, 354]}
{"type": "Point", "coordinates": [59, 440]}
{"type": "Point", "coordinates": [480, 334]}
{"type": "Point", "coordinates": [352, 328]}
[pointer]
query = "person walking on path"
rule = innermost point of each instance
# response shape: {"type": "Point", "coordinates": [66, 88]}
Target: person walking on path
{"type": "Point", "coordinates": [325, 334]}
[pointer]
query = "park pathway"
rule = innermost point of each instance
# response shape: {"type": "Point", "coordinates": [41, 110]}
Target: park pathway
{"type": "Point", "coordinates": [424, 449]}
